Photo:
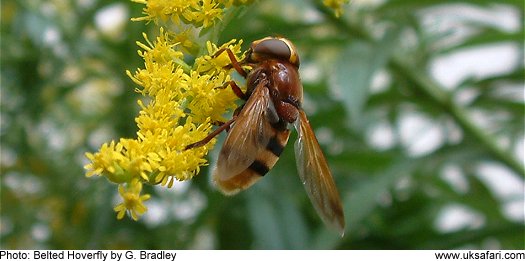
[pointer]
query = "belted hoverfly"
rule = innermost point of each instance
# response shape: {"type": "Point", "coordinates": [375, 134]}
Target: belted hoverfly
{"type": "Point", "coordinates": [258, 131]}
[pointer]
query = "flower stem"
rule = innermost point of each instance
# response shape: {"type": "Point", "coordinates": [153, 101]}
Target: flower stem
{"type": "Point", "coordinates": [443, 99]}
{"type": "Point", "coordinates": [435, 92]}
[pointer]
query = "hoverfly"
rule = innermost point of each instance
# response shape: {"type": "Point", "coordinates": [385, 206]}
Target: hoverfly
{"type": "Point", "coordinates": [258, 131]}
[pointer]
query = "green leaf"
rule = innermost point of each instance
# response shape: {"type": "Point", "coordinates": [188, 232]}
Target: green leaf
{"type": "Point", "coordinates": [275, 219]}
{"type": "Point", "coordinates": [364, 199]}
{"type": "Point", "coordinates": [354, 69]}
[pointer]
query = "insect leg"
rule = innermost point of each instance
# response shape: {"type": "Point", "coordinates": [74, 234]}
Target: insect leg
{"type": "Point", "coordinates": [221, 123]}
{"type": "Point", "coordinates": [212, 135]}
{"type": "Point", "coordinates": [217, 123]}
{"type": "Point", "coordinates": [236, 89]}
{"type": "Point", "coordinates": [235, 64]}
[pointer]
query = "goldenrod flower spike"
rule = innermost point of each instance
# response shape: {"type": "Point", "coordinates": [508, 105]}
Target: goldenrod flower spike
{"type": "Point", "coordinates": [183, 102]}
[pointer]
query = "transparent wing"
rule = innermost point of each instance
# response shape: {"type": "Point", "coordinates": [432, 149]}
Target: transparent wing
{"type": "Point", "coordinates": [248, 136]}
{"type": "Point", "coordinates": [316, 177]}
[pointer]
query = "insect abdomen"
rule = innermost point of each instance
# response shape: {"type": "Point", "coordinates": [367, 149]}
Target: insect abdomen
{"type": "Point", "coordinates": [263, 163]}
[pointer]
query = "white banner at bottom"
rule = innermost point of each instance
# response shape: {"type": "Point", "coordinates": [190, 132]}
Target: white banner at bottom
{"type": "Point", "coordinates": [261, 255]}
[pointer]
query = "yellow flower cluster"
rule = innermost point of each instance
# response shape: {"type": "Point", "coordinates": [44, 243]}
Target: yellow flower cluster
{"type": "Point", "coordinates": [184, 101]}
{"type": "Point", "coordinates": [200, 13]}
{"type": "Point", "coordinates": [337, 5]}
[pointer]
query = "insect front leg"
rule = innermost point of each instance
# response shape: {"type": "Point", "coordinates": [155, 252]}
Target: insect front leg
{"type": "Point", "coordinates": [234, 63]}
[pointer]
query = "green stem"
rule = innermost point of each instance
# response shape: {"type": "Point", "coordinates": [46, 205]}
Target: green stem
{"type": "Point", "coordinates": [436, 93]}
{"type": "Point", "coordinates": [443, 99]}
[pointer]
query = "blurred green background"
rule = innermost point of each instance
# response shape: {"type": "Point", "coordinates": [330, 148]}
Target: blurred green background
{"type": "Point", "coordinates": [418, 105]}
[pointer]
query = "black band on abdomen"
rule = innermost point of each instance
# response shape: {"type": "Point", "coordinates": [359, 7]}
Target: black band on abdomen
{"type": "Point", "coordinates": [259, 167]}
{"type": "Point", "coordinates": [275, 146]}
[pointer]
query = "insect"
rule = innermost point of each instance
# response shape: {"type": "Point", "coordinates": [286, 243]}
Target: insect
{"type": "Point", "coordinates": [258, 131]}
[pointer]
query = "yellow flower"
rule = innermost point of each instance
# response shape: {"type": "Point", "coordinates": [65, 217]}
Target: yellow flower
{"type": "Point", "coordinates": [186, 38]}
{"type": "Point", "coordinates": [209, 99]}
{"type": "Point", "coordinates": [108, 162]}
{"type": "Point", "coordinates": [337, 5]}
{"type": "Point", "coordinates": [133, 202]}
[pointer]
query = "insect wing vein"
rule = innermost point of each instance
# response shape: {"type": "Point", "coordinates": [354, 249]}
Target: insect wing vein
{"type": "Point", "coordinates": [315, 175]}
{"type": "Point", "coordinates": [248, 136]}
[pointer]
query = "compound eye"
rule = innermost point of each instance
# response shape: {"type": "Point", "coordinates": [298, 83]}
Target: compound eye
{"type": "Point", "coordinates": [276, 48]}
{"type": "Point", "coordinates": [272, 47]}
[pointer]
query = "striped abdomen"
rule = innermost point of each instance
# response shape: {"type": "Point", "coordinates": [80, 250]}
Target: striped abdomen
{"type": "Point", "coordinates": [264, 161]}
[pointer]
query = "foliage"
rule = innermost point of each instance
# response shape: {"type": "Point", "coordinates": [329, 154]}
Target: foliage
{"type": "Point", "coordinates": [371, 95]}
